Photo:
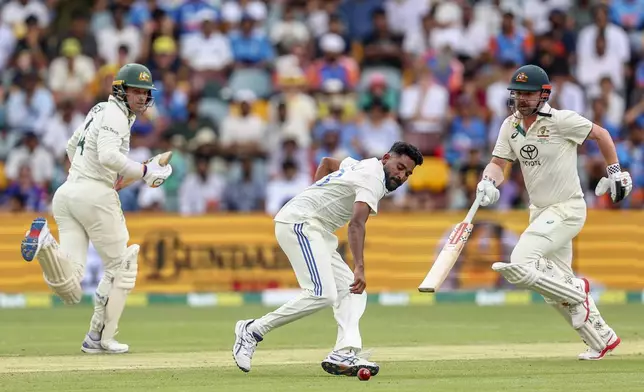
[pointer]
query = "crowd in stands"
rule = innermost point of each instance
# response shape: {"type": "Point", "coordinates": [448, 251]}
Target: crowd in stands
{"type": "Point", "coordinates": [252, 94]}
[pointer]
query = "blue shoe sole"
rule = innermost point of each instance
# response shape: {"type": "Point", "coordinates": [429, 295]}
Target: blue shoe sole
{"type": "Point", "coordinates": [29, 245]}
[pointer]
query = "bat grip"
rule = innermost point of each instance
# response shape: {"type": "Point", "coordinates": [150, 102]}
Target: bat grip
{"type": "Point", "coordinates": [474, 208]}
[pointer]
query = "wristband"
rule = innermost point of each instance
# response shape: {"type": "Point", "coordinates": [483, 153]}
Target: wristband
{"type": "Point", "coordinates": [613, 169]}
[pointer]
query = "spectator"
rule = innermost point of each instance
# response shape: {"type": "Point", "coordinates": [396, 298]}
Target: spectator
{"type": "Point", "coordinates": [186, 18]}
{"type": "Point", "coordinates": [333, 65]}
{"type": "Point", "coordinates": [379, 131]}
{"type": "Point", "coordinates": [35, 42]}
{"type": "Point", "coordinates": [30, 107]}
{"type": "Point", "coordinates": [289, 31]}
{"type": "Point", "coordinates": [382, 48]}
{"type": "Point", "coordinates": [39, 161]}
{"type": "Point", "coordinates": [566, 94]}
{"type": "Point", "coordinates": [423, 108]}
{"type": "Point", "coordinates": [467, 132]}
{"type": "Point", "coordinates": [330, 146]}
{"type": "Point", "coordinates": [290, 151]}
{"type": "Point", "coordinates": [593, 66]}
{"type": "Point", "coordinates": [378, 89]}
{"type": "Point", "coordinates": [119, 35]}
{"type": "Point", "coordinates": [16, 12]}
{"type": "Point", "coordinates": [243, 133]}
{"type": "Point", "coordinates": [512, 43]}
{"type": "Point", "coordinates": [245, 194]}
{"type": "Point", "coordinates": [170, 101]}
{"type": "Point", "coordinates": [202, 191]}
{"type": "Point", "coordinates": [80, 30]}
{"type": "Point", "coordinates": [70, 74]}
{"type": "Point", "coordinates": [615, 103]}
{"type": "Point", "coordinates": [25, 194]}
{"type": "Point", "coordinates": [251, 48]}
{"type": "Point", "coordinates": [417, 42]}
{"type": "Point", "coordinates": [282, 189]}
{"type": "Point", "coordinates": [60, 128]}
{"type": "Point", "coordinates": [208, 51]}
{"type": "Point", "coordinates": [616, 43]}
{"type": "Point", "coordinates": [164, 58]}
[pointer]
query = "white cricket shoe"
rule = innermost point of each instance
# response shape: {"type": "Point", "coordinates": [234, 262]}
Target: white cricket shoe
{"type": "Point", "coordinates": [348, 362]}
{"type": "Point", "coordinates": [594, 355]}
{"type": "Point", "coordinates": [245, 345]}
{"type": "Point", "coordinates": [37, 235]}
{"type": "Point", "coordinates": [91, 346]}
{"type": "Point", "coordinates": [111, 346]}
{"type": "Point", "coordinates": [580, 312]}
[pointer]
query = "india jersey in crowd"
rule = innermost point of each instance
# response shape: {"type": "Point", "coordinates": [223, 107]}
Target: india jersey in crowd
{"type": "Point", "coordinates": [330, 200]}
{"type": "Point", "coordinates": [547, 153]}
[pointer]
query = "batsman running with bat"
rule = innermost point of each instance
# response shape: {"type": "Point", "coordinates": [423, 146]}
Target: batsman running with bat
{"type": "Point", "coordinates": [344, 192]}
{"type": "Point", "coordinates": [544, 141]}
{"type": "Point", "coordinates": [87, 207]}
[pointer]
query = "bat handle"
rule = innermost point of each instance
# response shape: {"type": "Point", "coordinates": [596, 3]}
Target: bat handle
{"type": "Point", "coordinates": [474, 208]}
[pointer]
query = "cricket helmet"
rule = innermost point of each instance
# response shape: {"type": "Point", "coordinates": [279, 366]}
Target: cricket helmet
{"type": "Point", "coordinates": [526, 79]}
{"type": "Point", "coordinates": [133, 75]}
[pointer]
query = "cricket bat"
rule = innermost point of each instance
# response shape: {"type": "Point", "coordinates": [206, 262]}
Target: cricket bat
{"type": "Point", "coordinates": [450, 252]}
{"type": "Point", "coordinates": [164, 159]}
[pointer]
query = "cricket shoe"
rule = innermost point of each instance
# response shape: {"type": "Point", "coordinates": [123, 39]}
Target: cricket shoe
{"type": "Point", "coordinates": [245, 345]}
{"type": "Point", "coordinates": [111, 346]}
{"type": "Point", "coordinates": [594, 355]}
{"type": "Point", "coordinates": [580, 312]}
{"type": "Point", "coordinates": [91, 346]}
{"type": "Point", "coordinates": [37, 235]}
{"type": "Point", "coordinates": [348, 363]}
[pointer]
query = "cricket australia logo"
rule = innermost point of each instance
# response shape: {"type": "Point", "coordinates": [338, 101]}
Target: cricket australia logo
{"type": "Point", "coordinates": [144, 77]}
{"type": "Point", "coordinates": [529, 154]}
{"type": "Point", "coordinates": [522, 77]}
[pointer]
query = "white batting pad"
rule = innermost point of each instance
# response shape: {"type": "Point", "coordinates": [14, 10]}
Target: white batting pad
{"type": "Point", "coordinates": [124, 280]}
{"type": "Point", "coordinates": [591, 336]}
{"type": "Point", "coordinates": [59, 274]}
{"type": "Point", "coordinates": [527, 276]}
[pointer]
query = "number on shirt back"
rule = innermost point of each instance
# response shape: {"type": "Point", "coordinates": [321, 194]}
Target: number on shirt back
{"type": "Point", "coordinates": [81, 142]}
{"type": "Point", "coordinates": [328, 177]}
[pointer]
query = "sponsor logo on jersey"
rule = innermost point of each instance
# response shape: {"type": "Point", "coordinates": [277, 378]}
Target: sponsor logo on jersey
{"type": "Point", "coordinates": [529, 154]}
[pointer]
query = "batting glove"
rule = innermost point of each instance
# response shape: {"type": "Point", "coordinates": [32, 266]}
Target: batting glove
{"type": "Point", "coordinates": [490, 193]}
{"type": "Point", "coordinates": [155, 174]}
{"type": "Point", "coordinates": [619, 183]}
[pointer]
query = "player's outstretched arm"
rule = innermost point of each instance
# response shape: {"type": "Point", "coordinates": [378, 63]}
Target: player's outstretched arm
{"type": "Point", "coordinates": [619, 183]}
{"type": "Point", "coordinates": [357, 231]}
{"type": "Point", "coordinates": [326, 167]}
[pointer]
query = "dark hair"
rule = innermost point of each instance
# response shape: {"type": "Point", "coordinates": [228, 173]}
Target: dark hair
{"type": "Point", "coordinates": [404, 148]}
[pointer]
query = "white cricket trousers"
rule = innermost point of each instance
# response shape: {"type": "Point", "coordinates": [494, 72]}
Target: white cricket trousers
{"type": "Point", "coordinates": [87, 210]}
{"type": "Point", "coordinates": [324, 278]}
{"type": "Point", "coordinates": [547, 242]}
{"type": "Point", "coordinates": [550, 234]}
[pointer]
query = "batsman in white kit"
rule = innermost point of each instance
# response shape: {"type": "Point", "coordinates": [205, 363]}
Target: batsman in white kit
{"type": "Point", "coordinates": [544, 142]}
{"type": "Point", "coordinates": [87, 207]}
{"type": "Point", "coordinates": [344, 192]}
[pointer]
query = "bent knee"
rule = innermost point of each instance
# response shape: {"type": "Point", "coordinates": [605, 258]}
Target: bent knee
{"type": "Point", "coordinates": [327, 299]}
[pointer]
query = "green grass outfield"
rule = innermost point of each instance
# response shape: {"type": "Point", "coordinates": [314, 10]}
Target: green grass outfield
{"type": "Point", "coordinates": [437, 348]}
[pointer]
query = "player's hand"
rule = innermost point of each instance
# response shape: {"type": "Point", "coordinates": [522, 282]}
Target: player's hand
{"type": "Point", "coordinates": [155, 174]}
{"type": "Point", "coordinates": [490, 193]}
{"type": "Point", "coordinates": [619, 184]}
{"type": "Point", "coordinates": [359, 281]}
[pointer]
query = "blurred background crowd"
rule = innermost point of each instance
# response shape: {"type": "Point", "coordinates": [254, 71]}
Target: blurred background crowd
{"type": "Point", "coordinates": [252, 94]}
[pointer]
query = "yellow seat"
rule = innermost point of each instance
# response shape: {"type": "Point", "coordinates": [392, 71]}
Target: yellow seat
{"type": "Point", "coordinates": [432, 176]}
{"type": "Point", "coordinates": [3, 179]}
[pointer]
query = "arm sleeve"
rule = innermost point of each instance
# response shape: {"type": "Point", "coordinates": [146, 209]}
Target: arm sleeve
{"type": "Point", "coordinates": [370, 190]}
{"type": "Point", "coordinates": [502, 147]}
{"type": "Point", "coordinates": [108, 146]}
{"type": "Point", "coordinates": [573, 126]}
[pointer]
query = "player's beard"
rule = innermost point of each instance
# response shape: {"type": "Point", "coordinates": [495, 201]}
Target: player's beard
{"type": "Point", "coordinates": [391, 183]}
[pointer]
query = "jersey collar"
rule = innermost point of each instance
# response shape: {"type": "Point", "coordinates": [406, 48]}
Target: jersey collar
{"type": "Point", "coordinates": [546, 111]}
{"type": "Point", "coordinates": [130, 116]}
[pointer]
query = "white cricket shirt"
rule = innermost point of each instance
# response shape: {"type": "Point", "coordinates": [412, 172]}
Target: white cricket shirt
{"type": "Point", "coordinates": [330, 200]}
{"type": "Point", "coordinates": [547, 153]}
{"type": "Point", "coordinates": [106, 128]}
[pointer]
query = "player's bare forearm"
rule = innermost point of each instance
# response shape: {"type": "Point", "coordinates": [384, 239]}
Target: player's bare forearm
{"type": "Point", "coordinates": [494, 170]}
{"type": "Point", "coordinates": [357, 231]}
{"type": "Point", "coordinates": [326, 167]}
{"type": "Point", "coordinates": [605, 143]}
